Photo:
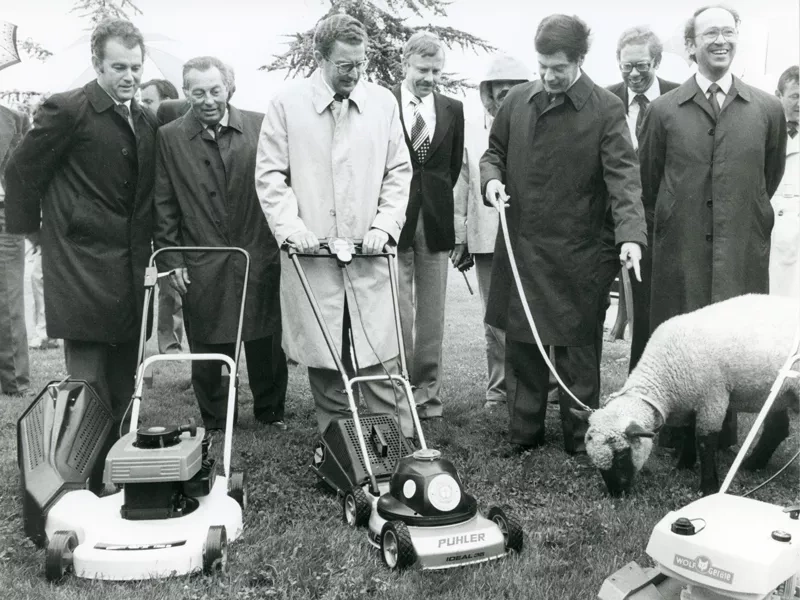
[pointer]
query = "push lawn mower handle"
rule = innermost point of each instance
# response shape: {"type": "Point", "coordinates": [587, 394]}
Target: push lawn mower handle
{"type": "Point", "coordinates": [335, 246]}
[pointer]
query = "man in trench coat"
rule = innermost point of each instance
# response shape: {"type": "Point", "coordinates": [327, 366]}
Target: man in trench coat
{"type": "Point", "coordinates": [332, 162]}
{"type": "Point", "coordinates": [560, 149]}
{"type": "Point", "coordinates": [205, 196]}
{"type": "Point", "coordinates": [84, 174]}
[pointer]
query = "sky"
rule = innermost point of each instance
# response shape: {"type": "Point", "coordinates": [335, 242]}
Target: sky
{"type": "Point", "coordinates": [247, 33]}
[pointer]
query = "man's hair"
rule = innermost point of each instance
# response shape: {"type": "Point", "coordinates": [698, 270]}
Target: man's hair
{"type": "Point", "coordinates": [562, 33]}
{"type": "Point", "coordinates": [423, 43]}
{"type": "Point", "coordinates": [641, 34]}
{"type": "Point", "coordinates": [790, 75]}
{"type": "Point", "coordinates": [689, 33]}
{"type": "Point", "coordinates": [340, 27]}
{"type": "Point", "coordinates": [124, 30]}
{"type": "Point", "coordinates": [164, 88]}
{"type": "Point", "coordinates": [205, 63]}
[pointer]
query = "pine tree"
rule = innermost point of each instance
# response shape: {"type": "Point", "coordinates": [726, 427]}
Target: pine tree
{"type": "Point", "coordinates": [387, 33]}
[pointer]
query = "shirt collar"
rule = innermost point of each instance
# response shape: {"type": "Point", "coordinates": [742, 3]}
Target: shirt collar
{"type": "Point", "coordinates": [127, 103]}
{"type": "Point", "coordinates": [725, 82]}
{"type": "Point", "coordinates": [223, 121]}
{"type": "Point", "coordinates": [653, 92]}
{"type": "Point", "coordinates": [322, 93]}
{"type": "Point", "coordinates": [406, 95]}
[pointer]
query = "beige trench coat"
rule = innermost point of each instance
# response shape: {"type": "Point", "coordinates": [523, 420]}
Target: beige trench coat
{"type": "Point", "coordinates": [784, 258]}
{"type": "Point", "coordinates": [335, 175]}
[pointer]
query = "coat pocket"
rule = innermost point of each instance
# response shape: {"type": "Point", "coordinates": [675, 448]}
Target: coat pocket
{"type": "Point", "coordinates": [665, 208]}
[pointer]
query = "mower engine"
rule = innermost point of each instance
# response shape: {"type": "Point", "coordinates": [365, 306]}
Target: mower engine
{"type": "Point", "coordinates": [162, 470]}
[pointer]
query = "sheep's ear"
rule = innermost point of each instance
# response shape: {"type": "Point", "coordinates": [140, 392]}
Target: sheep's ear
{"type": "Point", "coordinates": [581, 415]}
{"type": "Point", "coordinates": [634, 431]}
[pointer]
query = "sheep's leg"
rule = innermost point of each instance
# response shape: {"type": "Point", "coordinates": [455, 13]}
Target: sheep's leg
{"type": "Point", "coordinates": [776, 429]}
{"type": "Point", "coordinates": [687, 445]}
{"type": "Point", "coordinates": [707, 445]}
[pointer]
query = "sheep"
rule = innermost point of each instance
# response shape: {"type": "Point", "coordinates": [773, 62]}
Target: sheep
{"type": "Point", "coordinates": [728, 353]}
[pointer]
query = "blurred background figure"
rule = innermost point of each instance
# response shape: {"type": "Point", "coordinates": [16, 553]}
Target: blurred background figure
{"type": "Point", "coordinates": [784, 258]}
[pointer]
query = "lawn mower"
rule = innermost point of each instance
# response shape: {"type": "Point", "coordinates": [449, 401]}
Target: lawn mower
{"type": "Point", "coordinates": [722, 547]}
{"type": "Point", "coordinates": [171, 513]}
{"type": "Point", "coordinates": [413, 501]}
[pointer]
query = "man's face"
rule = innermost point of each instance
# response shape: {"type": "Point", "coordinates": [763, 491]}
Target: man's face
{"type": "Point", "coordinates": [120, 71]}
{"type": "Point", "coordinates": [423, 73]}
{"type": "Point", "coordinates": [557, 72]}
{"type": "Point", "coordinates": [343, 67]}
{"type": "Point", "coordinates": [714, 53]}
{"type": "Point", "coordinates": [790, 99]}
{"type": "Point", "coordinates": [499, 90]}
{"type": "Point", "coordinates": [150, 98]}
{"type": "Point", "coordinates": [207, 94]}
{"type": "Point", "coordinates": [634, 56]}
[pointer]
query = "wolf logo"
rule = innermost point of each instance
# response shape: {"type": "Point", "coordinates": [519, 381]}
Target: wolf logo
{"type": "Point", "coordinates": [703, 563]}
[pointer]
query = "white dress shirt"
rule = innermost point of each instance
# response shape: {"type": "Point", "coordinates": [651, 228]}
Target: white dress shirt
{"type": "Point", "coordinates": [223, 121]}
{"type": "Point", "coordinates": [724, 83]}
{"type": "Point", "coordinates": [653, 92]}
{"type": "Point", "coordinates": [426, 108]}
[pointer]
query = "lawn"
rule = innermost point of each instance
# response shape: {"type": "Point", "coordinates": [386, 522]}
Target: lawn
{"type": "Point", "coordinates": [295, 546]}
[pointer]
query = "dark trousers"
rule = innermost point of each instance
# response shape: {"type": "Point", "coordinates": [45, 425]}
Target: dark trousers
{"type": "Point", "coordinates": [527, 387]}
{"type": "Point", "coordinates": [110, 369]}
{"type": "Point", "coordinates": [266, 368]}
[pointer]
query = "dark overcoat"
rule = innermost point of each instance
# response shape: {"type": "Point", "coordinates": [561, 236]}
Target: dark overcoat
{"type": "Point", "coordinates": [83, 174]}
{"type": "Point", "coordinates": [205, 195]}
{"type": "Point", "coordinates": [562, 164]}
{"type": "Point", "coordinates": [707, 186]}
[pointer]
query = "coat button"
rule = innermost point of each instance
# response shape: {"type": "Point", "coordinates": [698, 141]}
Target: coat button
{"type": "Point", "coordinates": [711, 131]}
{"type": "Point", "coordinates": [208, 162]}
{"type": "Point", "coordinates": [124, 184]}
{"type": "Point", "coordinates": [709, 202]}
{"type": "Point", "coordinates": [780, 213]}
{"type": "Point", "coordinates": [213, 194]}
{"type": "Point", "coordinates": [709, 237]}
{"type": "Point", "coordinates": [333, 213]}
{"type": "Point", "coordinates": [124, 152]}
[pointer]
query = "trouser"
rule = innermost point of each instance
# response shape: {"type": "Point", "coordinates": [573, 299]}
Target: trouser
{"type": "Point", "coordinates": [110, 369]}
{"type": "Point", "coordinates": [170, 318]}
{"type": "Point", "coordinates": [527, 387]}
{"type": "Point", "coordinates": [382, 397]}
{"type": "Point", "coordinates": [495, 338]}
{"type": "Point", "coordinates": [14, 366]}
{"type": "Point", "coordinates": [34, 266]}
{"type": "Point", "coordinates": [266, 370]}
{"type": "Point", "coordinates": [422, 275]}
{"type": "Point", "coordinates": [640, 290]}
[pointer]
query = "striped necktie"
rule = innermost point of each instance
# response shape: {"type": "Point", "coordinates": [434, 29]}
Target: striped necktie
{"type": "Point", "coordinates": [420, 138]}
{"type": "Point", "coordinates": [642, 101]}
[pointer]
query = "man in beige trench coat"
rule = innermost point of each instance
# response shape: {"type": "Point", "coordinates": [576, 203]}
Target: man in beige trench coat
{"type": "Point", "coordinates": [332, 162]}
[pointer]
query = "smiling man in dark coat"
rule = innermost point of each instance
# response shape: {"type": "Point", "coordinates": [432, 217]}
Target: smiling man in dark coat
{"type": "Point", "coordinates": [561, 150]}
{"type": "Point", "coordinates": [85, 174]}
{"type": "Point", "coordinates": [206, 196]}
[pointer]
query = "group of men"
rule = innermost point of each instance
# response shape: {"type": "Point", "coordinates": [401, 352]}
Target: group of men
{"type": "Point", "coordinates": [100, 180]}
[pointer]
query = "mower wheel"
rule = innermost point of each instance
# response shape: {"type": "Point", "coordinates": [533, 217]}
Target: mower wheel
{"type": "Point", "coordinates": [396, 548]}
{"type": "Point", "coordinates": [509, 526]}
{"type": "Point", "coordinates": [237, 488]}
{"type": "Point", "coordinates": [356, 507]}
{"type": "Point", "coordinates": [58, 556]}
{"type": "Point", "coordinates": [215, 551]}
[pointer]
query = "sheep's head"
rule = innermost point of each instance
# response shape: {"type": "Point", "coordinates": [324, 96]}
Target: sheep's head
{"type": "Point", "coordinates": [619, 447]}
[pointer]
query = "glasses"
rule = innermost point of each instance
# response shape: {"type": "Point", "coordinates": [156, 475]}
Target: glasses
{"type": "Point", "coordinates": [711, 35]}
{"type": "Point", "coordinates": [347, 67]}
{"type": "Point", "coordinates": [642, 67]}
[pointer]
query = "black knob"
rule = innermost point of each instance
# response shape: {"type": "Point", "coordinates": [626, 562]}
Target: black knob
{"type": "Point", "coordinates": [781, 536]}
{"type": "Point", "coordinates": [683, 526]}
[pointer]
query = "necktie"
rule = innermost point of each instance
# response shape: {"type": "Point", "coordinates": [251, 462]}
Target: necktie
{"type": "Point", "coordinates": [791, 128]}
{"type": "Point", "coordinates": [339, 97]}
{"type": "Point", "coordinates": [420, 138]}
{"type": "Point", "coordinates": [712, 98]}
{"type": "Point", "coordinates": [642, 101]}
{"type": "Point", "coordinates": [123, 111]}
{"type": "Point", "coordinates": [553, 97]}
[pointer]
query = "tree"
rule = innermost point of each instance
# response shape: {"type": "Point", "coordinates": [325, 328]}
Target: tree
{"type": "Point", "coordinates": [387, 33]}
{"type": "Point", "coordinates": [97, 10]}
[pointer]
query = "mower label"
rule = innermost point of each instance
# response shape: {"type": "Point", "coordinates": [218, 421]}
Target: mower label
{"type": "Point", "coordinates": [703, 566]}
{"type": "Point", "coordinates": [319, 455]}
{"type": "Point", "coordinates": [472, 556]}
{"type": "Point", "coordinates": [116, 547]}
{"type": "Point", "coordinates": [457, 540]}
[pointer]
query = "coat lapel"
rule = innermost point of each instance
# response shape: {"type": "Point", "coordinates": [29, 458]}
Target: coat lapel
{"type": "Point", "coordinates": [690, 91]}
{"type": "Point", "coordinates": [444, 117]}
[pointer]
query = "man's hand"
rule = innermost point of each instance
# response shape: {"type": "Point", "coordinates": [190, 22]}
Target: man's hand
{"type": "Point", "coordinates": [457, 253]}
{"type": "Point", "coordinates": [179, 279]}
{"type": "Point", "coordinates": [305, 242]}
{"type": "Point", "coordinates": [630, 255]}
{"type": "Point", "coordinates": [33, 239]}
{"type": "Point", "coordinates": [374, 241]}
{"type": "Point", "coordinates": [496, 194]}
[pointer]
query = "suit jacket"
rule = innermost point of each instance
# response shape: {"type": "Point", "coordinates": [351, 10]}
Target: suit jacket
{"type": "Point", "coordinates": [170, 109]}
{"type": "Point", "coordinates": [205, 195]}
{"type": "Point", "coordinates": [707, 186]}
{"type": "Point", "coordinates": [434, 179]}
{"type": "Point", "coordinates": [88, 179]}
{"type": "Point", "coordinates": [621, 89]}
{"type": "Point", "coordinates": [13, 127]}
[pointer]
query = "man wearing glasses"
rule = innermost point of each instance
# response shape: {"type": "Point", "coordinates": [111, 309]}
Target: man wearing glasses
{"type": "Point", "coordinates": [712, 154]}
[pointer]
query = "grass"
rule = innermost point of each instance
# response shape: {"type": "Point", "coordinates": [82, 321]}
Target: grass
{"type": "Point", "coordinates": [295, 546]}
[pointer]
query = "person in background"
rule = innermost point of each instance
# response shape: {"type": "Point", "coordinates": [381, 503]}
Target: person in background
{"type": "Point", "coordinates": [784, 257]}
{"type": "Point", "coordinates": [14, 365]}
{"type": "Point", "coordinates": [205, 195]}
{"type": "Point", "coordinates": [476, 225]}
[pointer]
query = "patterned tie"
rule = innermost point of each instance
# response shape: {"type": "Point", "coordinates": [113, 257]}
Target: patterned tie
{"type": "Point", "coordinates": [791, 128]}
{"type": "Point", "coordinates": [420, 138]}
{"type": "Point", "coordinates": [339, 97]}
{"type": "Point", "coordinates": [712, 98]}
{"type": "Point", "coordinates": [642, 101]}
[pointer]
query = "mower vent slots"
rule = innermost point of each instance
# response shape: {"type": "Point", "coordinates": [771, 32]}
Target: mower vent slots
{"type": "Point", "coordinates": [34, 435]}
{"type": "Point", "coordinates": [387, 426]}
{"type": "Point", "coordinates": [90, 435]}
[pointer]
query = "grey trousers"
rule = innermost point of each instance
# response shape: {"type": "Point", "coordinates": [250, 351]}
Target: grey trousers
{"type": "Point", "coordinates": [14, 366]}
{"type": "Point", "coordinates": [422, 275]}
{"type": "Point", "coordinates": [495, 338]}
{"type": "Point", "coordinates": [170, 318]}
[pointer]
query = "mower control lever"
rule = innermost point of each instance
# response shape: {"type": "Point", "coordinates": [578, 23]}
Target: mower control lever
{"type": "Point", "coordinates": [191, 428]}
{"type": "Point", "coordinates": [794, 511]}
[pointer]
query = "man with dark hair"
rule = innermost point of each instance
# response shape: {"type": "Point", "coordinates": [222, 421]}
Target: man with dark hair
{"type": "Point", "coordinates": [558, 184]}
{"type": "Point", "coordinates": [434, 128]}
{"type": "Point", "coordinates": [784, 257]}
{"type": "Point", "coordinates": [155, 91]}
{"type": "Point", "coordinates": [205, 195]}
{"type": "Point", "coordinates": [332, 162]}
{"type": "Point", "coordinates": [712, 154]}
{"type": "Point", "coordinates": [81, 182]}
